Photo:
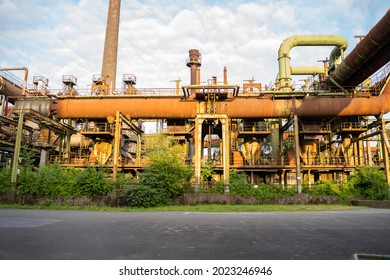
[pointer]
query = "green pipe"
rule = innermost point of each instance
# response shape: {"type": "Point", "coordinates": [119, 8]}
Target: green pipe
{"type": "Point", "coordinates": [306, 70]}
{"type": "Point", "coordinates": [304, 40]}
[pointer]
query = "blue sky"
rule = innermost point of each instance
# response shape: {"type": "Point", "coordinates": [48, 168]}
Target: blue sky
{"type": "Point", "coordinates": [55, 38]}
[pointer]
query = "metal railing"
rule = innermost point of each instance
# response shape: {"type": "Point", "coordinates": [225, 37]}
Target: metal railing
{"type": "Point", "coordinates": [97, 127]}
{"type": "Point", "coordinates": [12, 78]}
{"type": "Point", "coordinates": [254, 127]}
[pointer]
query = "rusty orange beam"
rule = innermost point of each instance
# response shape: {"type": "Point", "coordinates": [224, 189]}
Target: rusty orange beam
{"type": "Point", "coordinates": [240, 107]}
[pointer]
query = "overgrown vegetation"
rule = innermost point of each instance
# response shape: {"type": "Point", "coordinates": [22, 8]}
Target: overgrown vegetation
{"type": "Point", "coordinates": [167, 176]}
{"type": "Point", "coordinates": [263, 192]}
{"type": "Point", "coordinates": [164, 177]}
{"type": "Point", "coordinates": [370, 183]}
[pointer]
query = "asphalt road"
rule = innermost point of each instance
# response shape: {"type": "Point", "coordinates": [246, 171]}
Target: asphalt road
{"type": "Point", "coordinates": [77, 235]}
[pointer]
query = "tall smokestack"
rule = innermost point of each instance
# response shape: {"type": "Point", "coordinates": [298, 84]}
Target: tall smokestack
{"type": "Point", "coordinates": [194, 62]}
{"type": "Point", "coordinates": [111, 44]}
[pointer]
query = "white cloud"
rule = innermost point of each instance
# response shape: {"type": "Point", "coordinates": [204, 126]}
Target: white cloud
{"type": "Point", "coordinates": [55, 38]}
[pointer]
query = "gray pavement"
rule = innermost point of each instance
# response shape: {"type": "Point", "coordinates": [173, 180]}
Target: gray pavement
{"type": "Point", "coordinates": [43, 234]}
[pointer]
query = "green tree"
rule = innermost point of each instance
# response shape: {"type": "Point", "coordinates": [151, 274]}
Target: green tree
{"type": "Point", "coordinates": [5, 179]}
{"type": "Point", "coordinates": [166, 169]}
{"type": "Point", "coordinates": [370, 182]}
{"type": "Point", "coordinates": [27, 177]}
{"type": "Point", "coordinates": [91, 181]}
{"type": "Point", "coordinates": [52, 180]}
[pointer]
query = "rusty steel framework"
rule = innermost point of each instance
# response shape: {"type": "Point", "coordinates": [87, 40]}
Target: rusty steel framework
{"type": "Point", "coordinates": [283, 134]}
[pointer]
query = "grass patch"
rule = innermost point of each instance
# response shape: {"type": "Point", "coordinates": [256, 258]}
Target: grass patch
{"type": "Point", "coordinates": [196, 208]}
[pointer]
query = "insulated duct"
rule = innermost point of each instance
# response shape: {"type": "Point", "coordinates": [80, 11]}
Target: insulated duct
{"type": "Point", "coordinates": [239, 107]}
{"type": "Point", "coordinates": [305, 40]}
{"type": "Point", "coordinates": [369, 55]}
{"type": "Point", "coordinates": [10, 89]}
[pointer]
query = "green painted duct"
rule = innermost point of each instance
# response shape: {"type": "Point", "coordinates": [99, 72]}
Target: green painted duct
{"type": "Point", "coordinates": [306, 70]}
{"type": "Point", "coordinates": [339, 42]}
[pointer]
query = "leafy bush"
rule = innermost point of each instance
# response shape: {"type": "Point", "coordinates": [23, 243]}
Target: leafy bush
{"type": "Point", "coordinates": [52, 180]}
{"type": "Point", "coordinates": [122, 181]}
{"type": "Point", "coordinates": [5, 179]}
{"type": "Point", "coordinates": [145, 196]}
{"type": "Point", "coordinates": [239, 185]}
{"type": "Point", "coordinates": [370, 183]}
{"type": "Point", "coordinates": [91, 181]}
{"type": "Point", "coordinates": [27, 182]}
{"type": "Point", "coordinates": [166, 170]}
{"type": "Point", "coordinates": [321, 188]}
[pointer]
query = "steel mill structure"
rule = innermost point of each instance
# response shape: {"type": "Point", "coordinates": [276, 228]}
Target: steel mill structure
{"type": "Point", "coordinates": [282, 133]}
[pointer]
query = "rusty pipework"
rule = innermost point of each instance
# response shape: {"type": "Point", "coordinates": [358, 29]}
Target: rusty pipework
{"type": "Point", "coordinates": [240, 107]}
{"type": "Point", "coordinates": [371, 53]}
{"type": "Point", "coordinates": [111, 44]}
{"type": "Point", "coordinates": [194, 62]}
{"type": "Point", "coordinates": [339, 42]}
{"type": "Point", "coordinates": [7, 88]}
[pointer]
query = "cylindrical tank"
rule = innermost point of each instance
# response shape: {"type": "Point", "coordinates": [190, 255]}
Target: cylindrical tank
{"type": "Point", "coordinates": [41, 105]}
{"type": "Point", "coordinates": [80, 141]}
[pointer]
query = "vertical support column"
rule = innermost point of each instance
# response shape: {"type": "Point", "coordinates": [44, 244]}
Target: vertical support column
{"type": "Point", "coordinates": [275, 142]}
{"type": "Point", "coordinates": [198, 151]}
{"type": "Point", "coordinates": [67, 146]}
{"type": "Point", "coordinates": [361, 153]}
{"type": "Point", "coordinates": [139, 143]}
{"type": "Point", "coordinates": [117, 141]}
{"type": "Point", "coordinates": [18, 142]}
{"type": "Point", "coordinates": [297, 159]}
{"type": "Point", "coordinates": [385, 150]}
{"type": "Point", "coordinates": [68, 138]}
{"type": "Point", "coordinates": [355, 157]}
{"type": "Point", "coordinates": [139, 147]}
{"type": "Point", "coordinates": [281, 149]}
{"type": "Point", "coordinates": [2, 105]}
{"type": "Point", "coordinates": [285, 179]}
{"type": "Point", "coordinates": [209, 143]}
{"type": "Point", "coordinates": [44, 157]}
{"type": "Point", "coordinates": [369, 155]}
{"type": "Point", "coordinates": [226, 151]}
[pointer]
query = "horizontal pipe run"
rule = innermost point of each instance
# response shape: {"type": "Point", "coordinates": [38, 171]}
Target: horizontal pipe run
{"type": "Point", "coordinates": [377, 61]}
{"type": "Point", "coordinates": [239, 107]}
{"type": "Point", "coordinates": [307, 70]}
{"type": "Point", "coordinates": [376, 41]}
{"type": "Point", "coordinates": [12, 89]}
{"type": "Point", "coordinates": [304, 40]}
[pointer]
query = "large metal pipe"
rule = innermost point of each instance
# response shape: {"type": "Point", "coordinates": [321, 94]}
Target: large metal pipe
{"type": "Point", "coordinates": [8, 88]}
{"type": "Point", "coordinates": [305, 40]}
{"type": "Point", "coordinates": [239, 107]}
{"type": "Point", "coordinates": [111, 44]}
{"type": "Point", "coordinates": [307, 70]}
{"type": "Point", "coordinates": [370, 67]}
{"type": "Point", "coordinates": [134, 107]}
{"type": "Point", "coordinates": [373, 47]}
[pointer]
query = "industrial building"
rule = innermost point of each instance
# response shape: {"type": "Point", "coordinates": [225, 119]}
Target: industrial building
{"type": "Point", "coordinates": [282, 133]}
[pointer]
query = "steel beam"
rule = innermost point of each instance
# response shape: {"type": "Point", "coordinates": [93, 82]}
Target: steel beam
{"type": "Point", "coordinates": [297, 152]}
{"type": "Point", "coordinates": [18, 142]}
